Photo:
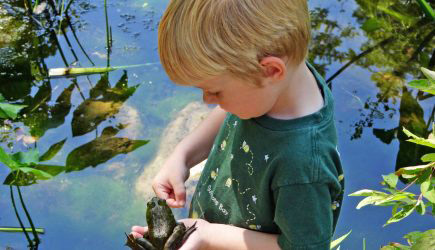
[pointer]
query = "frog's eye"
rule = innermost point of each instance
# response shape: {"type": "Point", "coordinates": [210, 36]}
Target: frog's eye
{"type": "Point", "coordinates": [151, 204]}
{"type": "Point", "coordinates": [162, 202]}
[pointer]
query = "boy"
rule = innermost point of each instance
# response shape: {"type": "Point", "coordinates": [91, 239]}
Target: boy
{"type": "Point", "coordinates": [273, 178]}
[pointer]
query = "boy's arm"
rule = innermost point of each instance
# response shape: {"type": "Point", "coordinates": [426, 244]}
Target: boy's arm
{"type": "Point", "coordinates": [221, 236]}
{"type": "Point", "coordinates": [168, 184]}
{"type": "Point", "coordinates": [196, 146]}
{"type": "Point", "coordinates": [230, 237]}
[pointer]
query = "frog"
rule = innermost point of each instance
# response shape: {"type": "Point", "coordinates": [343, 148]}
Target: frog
{"type": "Point", "coordinates": [164, 232]}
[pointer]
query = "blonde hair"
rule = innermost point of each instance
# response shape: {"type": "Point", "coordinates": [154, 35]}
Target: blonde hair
{"type": "Point", "coordinates": [201, 39]}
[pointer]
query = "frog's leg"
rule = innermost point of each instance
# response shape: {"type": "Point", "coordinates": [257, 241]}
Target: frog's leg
{"type": "Point", "coordinates": [178, 236]}
{"type": "Point", "coordinates": [145, 244]}
{"type": "Point", "coordinates": [131, 242]}
{"type": "Point", "coordinates": [138, 244]}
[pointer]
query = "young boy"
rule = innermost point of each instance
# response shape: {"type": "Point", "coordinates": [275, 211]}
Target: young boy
{"type": "Point", "coordinates": [273, 178]}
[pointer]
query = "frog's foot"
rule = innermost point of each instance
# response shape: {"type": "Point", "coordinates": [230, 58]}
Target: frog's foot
{"type": "Point", "coordinates": [131, 242]}
{"type": "Point", "coordinates": [189, 231]}
{"type": "Point", "coordinates": [179, 236]}
{"type": "Point", "coordinates": [138, 244]}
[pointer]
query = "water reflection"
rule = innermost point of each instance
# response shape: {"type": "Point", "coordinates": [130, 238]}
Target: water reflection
{"type": "Point", "coordinates": [398, 41]}
{"type": "Point", "coordinates": [29, 37]}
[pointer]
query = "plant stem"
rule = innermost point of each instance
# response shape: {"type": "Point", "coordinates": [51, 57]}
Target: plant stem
{"type": "Point", "coordinates": [426, 8]}
{"type": "Point", "coordinates": [108, 39]}
{"type": "Point", "coordinates": [19, 219]}
{"type": "Point", "coordinates": [20, 230]}
{"type": "Point", "coordinates": [35, 235]}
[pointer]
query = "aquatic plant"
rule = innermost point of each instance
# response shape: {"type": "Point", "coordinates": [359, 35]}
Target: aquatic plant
{"type": "Point", "coordinates": [403, 202]}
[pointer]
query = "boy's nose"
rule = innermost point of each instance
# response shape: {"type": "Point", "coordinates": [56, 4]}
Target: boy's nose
{"type": "Point", "coordinates": [209, 98]}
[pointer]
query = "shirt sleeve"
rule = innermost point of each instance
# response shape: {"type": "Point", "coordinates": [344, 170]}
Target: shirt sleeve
{"type": "Point", "coordinates": [303, 213]}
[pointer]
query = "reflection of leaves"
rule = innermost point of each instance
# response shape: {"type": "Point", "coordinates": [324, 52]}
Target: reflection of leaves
{"type": "Point", "coordinates": [104, 102]}
{"type": "Point", "coordinates": [52, 151]}
{"type": "Point", "coordinates": [43, 116]}
{"type": "Point", "coordinates": [386, 136]}
{"type": "Point", "coordinates": [101, 150]}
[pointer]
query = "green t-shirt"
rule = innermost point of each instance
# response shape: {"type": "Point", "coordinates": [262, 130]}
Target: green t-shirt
{"type": "Point", "coordinates": [275, 176]}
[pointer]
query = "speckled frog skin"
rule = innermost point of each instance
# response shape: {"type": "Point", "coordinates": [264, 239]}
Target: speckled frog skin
{"type": "Point", "coordinates": [164, 232]}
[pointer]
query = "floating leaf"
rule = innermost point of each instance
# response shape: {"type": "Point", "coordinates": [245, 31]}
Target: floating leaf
{"type": "Point", "coordinates": [10, 110]}
{"type": "Point", "coordinates": [26, 176]}
{"type": "Point", "coordinates": [30, 156]}
{"type": "Point", "coordinates": [8, 160]}
{"type": "Point", "coordinates": [52, 151]}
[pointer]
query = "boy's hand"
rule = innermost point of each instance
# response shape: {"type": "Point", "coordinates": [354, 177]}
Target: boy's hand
{"type": "Point", "coordinates": [197, 240]}
{"type": "Point", "coordinates": [169, 182]}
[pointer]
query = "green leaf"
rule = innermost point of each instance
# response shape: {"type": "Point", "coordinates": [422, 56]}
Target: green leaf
{"type": "Point", "coordinates": [426, 241]}
{"type": "Point", "coordinates": [2, 99]}
{"type": "Point", "coordinates": [11, 110]}
{"type": "Point", "coordinates": [413, 237]}
{"type": "Point", "coordinates": [371, 25]}
{"type": "Point", "coordinates": [425, 85]}
{"type": "Point", "coordinates": [428, 157]}
{"type": "Point", "coordinates": [413, 170]}
{"type": "Point", "coordinates": [52, 151]}
{"type": "Point", "coordinates": [402, 214]}
{"type": "Point", "coordinates": [391, 179]}
{"type": "Point", "coordinates": [367, 192]}
{"type": "Point", "coordinates": [428, 73]}
{"type": "Point", "coordinates": [396, 246]}
{"type": "Point", "coordinates": [421, 209]}
{"type": "Point", "coordinates": [337, 242]}
{"type": "Point", "coordinates": [51, 169]}
{"type": "Point", "coordinates": [31, 156]}
{"type": "Point", "coordinates": [418, 140]}
{"type": "Point", "coordinates": [428, 190]}
{"type": "Point", "coordinates": [26, 176]}
{"type": "Point", "coordinates": [371, 200]}
{"type": "Point", "coordinates": [8, 160]}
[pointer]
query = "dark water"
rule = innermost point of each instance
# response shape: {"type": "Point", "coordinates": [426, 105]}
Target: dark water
{"type": "Point", "coordinates": [91, 208]}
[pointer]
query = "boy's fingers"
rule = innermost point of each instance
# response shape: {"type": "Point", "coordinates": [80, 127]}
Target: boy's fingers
{"type": "Point", "coordinates": [136, 235]}
{"type": "Point", "coordinates": [161, 192]}
{"type": "Point", "coordinates": [180, 194]}
{"type": "Point", "coordinates": [139, 229]}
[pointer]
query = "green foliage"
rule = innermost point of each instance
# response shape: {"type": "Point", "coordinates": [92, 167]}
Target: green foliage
{"type": "Point", "coordinates": [416, 240]}
{"type": "Point", "coordinates": [337, 242]}
{"type": "Point", "coordinates": [25, 168]}
{"type": "Point", "coordinates": [426, 85]}
{"type": "Point", "coordinates": [9, 111]}
{"type": "Point", "coordinates": [404, 203]}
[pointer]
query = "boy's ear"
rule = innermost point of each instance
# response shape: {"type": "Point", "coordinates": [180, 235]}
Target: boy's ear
{"type": "Point", "coordinates": [273, 67]}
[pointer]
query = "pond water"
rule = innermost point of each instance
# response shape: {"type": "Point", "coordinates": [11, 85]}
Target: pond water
{"type": "Point", "coordinates": [93, 207]}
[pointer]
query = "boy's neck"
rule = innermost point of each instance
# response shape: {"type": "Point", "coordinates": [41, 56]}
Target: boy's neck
{"type": "Point", "coordinates": [300, 95]}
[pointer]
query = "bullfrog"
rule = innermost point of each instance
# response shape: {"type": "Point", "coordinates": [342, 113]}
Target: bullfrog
{"type": "Point", "coordinates": [164, 232]}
